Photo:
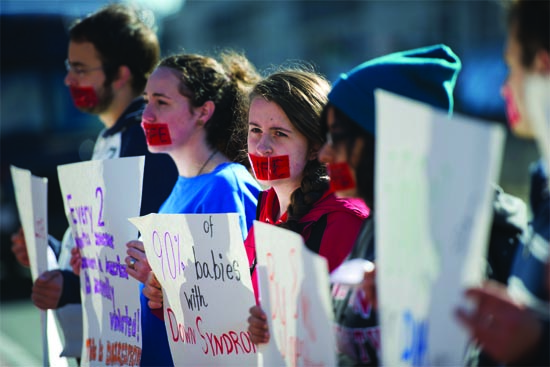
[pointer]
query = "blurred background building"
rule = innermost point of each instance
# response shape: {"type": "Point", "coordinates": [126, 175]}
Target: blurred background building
{"type": "Point", "coordinates": [40, 129]}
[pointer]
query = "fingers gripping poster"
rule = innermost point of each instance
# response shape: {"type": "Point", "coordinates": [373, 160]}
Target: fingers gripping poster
{"type": "Point", "coordinates": [294, 294]}
{"type": "Point", "coordinates": [201, 264]}
{"type": "Point", "coordinates": [433, 211]}
{"type": "Point", "coordinates": [99, 197]}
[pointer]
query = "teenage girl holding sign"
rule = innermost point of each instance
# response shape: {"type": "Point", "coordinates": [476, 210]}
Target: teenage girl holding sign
{"type": "Point", "coordinates": [284, 138]}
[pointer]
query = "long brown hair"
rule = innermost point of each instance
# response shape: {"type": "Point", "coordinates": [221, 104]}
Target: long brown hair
{"type": "Point", "coordinates": [302, 95]}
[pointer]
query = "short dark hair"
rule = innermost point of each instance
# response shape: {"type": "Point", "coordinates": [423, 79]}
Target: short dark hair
{"type": "Point", "coordinates": [121, 38]}
{"type": "Point", "coordinates": [530, 19]}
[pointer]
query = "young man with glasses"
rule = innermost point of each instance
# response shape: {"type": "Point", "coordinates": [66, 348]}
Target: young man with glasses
{"type": "Point", "coordinates": [111, 53]}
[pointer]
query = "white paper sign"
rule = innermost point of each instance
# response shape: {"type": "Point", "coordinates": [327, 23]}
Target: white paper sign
{"type": "Point", "coordinates": [31, 196]}
{"type": "Point", "coordinates": [294, 293]}
{"type": "Point", "coordinates": [200, 261]}
{"type": "Point", "coordinates": [99, 197]}
{"type": "Point", "coordinates": [433, 211]}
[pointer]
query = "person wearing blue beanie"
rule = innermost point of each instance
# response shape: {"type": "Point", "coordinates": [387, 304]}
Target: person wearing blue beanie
{"type": "Point", "coordinates": [427, 75]}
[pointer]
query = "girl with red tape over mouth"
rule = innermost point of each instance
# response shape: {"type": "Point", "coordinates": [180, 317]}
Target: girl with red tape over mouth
{"type": "Point", "coordinates": [196, 113]}
{"type": "Point", "coordinates": [284, 136]}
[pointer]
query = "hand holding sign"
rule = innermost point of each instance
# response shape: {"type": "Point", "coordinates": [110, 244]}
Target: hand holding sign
{"type": "Point", "coordinates": [19, 247]}
{"type": "Point", "coordinates": [46, 290]}
{"type": "Point", "coordinates": [153, 291]}
{"type": "Point", "coordinates": [504, 328]}
{"type": "Point", "coordinates": [258, 326]}
{"type": "Point", "coordinates": [138, 266]}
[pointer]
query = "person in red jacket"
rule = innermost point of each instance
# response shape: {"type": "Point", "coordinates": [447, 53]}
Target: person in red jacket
{"type": "Point", "coordinates": [284, 138]}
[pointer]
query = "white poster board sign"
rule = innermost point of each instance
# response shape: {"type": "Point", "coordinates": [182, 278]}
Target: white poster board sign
{"type": "Point", "coordinates": [99, 197]}
{"type": "Point", "coordinates": [433, 202]}
{"type": "Point", "coordinates": [31, 196]}
{"type": "Point", "coordinates": [295, 295]}
{"type": "Point", "coordinates": [201, 264]}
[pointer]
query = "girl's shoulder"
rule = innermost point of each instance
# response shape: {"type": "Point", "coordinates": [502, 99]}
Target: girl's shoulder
{"type": "Point", "coordinates": [235, 176]}
{"type": "Point", "coordinates": [335, 206]}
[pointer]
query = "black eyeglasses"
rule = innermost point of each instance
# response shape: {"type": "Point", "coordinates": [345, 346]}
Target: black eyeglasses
{"type": "Point", "coordinates": [79, 70]}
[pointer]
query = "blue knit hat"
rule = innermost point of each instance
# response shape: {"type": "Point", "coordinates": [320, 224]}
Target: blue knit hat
{"type": "Point", "coordinates": [426, 74]}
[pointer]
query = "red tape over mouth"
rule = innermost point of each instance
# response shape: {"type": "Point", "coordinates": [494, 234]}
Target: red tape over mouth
{"type": "Point", "coordinates": [156, 134]}
{"type": "Point", "coordinates": [270, 168]}
{"type": "Point", "coordinates": [340, 177]}
{"type": "Point", "coordinates": [83, 97]}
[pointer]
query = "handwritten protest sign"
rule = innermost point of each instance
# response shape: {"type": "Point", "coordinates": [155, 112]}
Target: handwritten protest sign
{"type": "Point", "coordinates": [294, 293]}
{"type": "Point", "coordinates": [433, 201]}
{"type": "Point", "coordinates": [200, 261]}
{"type": "Point", "coordinates": [31, 196]}
{"type": "Point", "coordinates": [99, 197]}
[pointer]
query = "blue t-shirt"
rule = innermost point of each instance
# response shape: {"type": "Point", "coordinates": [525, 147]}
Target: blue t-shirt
{"type": "Point", "coordinates": [228, 189]}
